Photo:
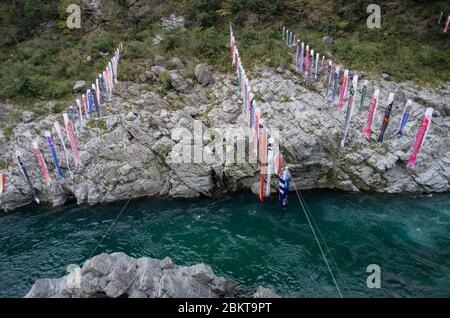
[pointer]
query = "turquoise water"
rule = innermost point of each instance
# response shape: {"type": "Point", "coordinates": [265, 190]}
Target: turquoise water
{"type": "Point", "coordinates": [252, 243]}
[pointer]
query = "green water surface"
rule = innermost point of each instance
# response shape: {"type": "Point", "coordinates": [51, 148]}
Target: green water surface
{"type": "Point", "coordinates": [252, 243]}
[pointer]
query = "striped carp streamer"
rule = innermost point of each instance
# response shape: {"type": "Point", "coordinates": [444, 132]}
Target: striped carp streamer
{"type": "Point", "coordinates": [72, 112]}
{"type": "Point", "coordinates": [80, 114]}
{"type": "Point", "coordinates": [263, 160]}
{"type": "Point", "coordinates": [27, 177]}
{"type": "Point", "coordinates": [269, 165]}
{"type": "Point", "coordinates": [440, 17]}
{"type": "Point", "coordinates": [420, 137]}
{"type": "Point", "coordinates": [256, 133]}
{"type": "Point", "coordinates": [363, 95]}
{"type": "Point", "coordinates": [111, 76]}
{"type": "Point", "coordinates": [42, 163]}
{"type": "Point", "coordinates": [107, 88]}
{"type": "Point", "coordinates": [97, 91]}
{"type": "Point", "coordinates": [387, 115]}
{"type": "Point", "coordinates": [297, 56]}
{"type": "Point", "coordinates": [311, 65]}
{"type": "Point", "coordinates": [290, 39]}
{"type": "Point", "coordinates": [307, 60]}
{"type": "Point", "coordinates": [96, 102]}
{"type": "Point", "coordinates": [348, 114]}
{"type": "Point", "coordinates": [101, 82]}
{"type": "Point", "coordinates": [2, 182]}
{"type": "Point", "coordinates": [84, 100]}
{"type": "Point", "coordinates": [343, 90]}
{"type": "Point", "coordinates": [446, 24]}
{"type": "Point", "coordinates": [328, 78]}
{"type": "Point", "coordinates": [373, 109]}
{"type": "Point", "coordinates": [90, 102]}
{"type": "Point", "coordinates": [72, 139]}
{"type": "Point", "coordinates": [336, 79]}
{"type": "Point", "coordinates": [316, 67]}
{"type": "Point", "coordinates": [322, 61]}
{"type": "Point", "coordinates": [54, 155]}
{"type": "Point", "coordinates": [285, 179]}
{"type": "Point", "coordinates": [63, 146]}
{"type": "Point", "coordinates": [405, 116]}
{"type": "Point", "coordinates": [302, 52]}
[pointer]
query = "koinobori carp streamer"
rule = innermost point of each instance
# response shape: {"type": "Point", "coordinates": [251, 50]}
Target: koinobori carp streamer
{"type": "Point", "coordinates": [328, 78]}
{"type": "Point", "coordinates": [63, 146]}
{"type": "Point", "coordinates": [373, 109]}
{"type": "Point", "coordinates": [2, 182]}
{"type": "Point", "coordinates": [336, 79]}
{"type": "Point", "coordinates": [285, 179]}
{"type": "Point", "coordinates": [54, 154]}
{"type": "Point", "coordinates": [343, 90]}
{"type": "Point", "coordinates": [27, 177]}
{"type": "Point", "coordinates": [263, 159]}
{"type": "Point", "coordinates": [405, 116]}
{"type": "Point", "coordinates": [363, 95]}
{"type": "Point", "coordinates": [420, 137]}
{"type": "Point", "coordinates": [387, 114]}
{"type": "Point", "coordinates": [72, 139]}
{"type": "Point", "coordinates": [42, 163]}
{"type": "Point", "coordinates": [348, 114]}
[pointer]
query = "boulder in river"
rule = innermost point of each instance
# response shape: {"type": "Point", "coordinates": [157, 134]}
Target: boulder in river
{"type": "Point", "coordinates": [118, 275]}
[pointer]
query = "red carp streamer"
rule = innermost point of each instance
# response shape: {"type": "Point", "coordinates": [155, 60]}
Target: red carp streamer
{"type": "Point", "coordinates": [72, 139]}
{"type": "Point", "coordinates": [263, 158]}
{"type": "Point", "coordinates": [42, 163]}
{"type": "Point", "coordinates": [343, 89]}
{"type": "Point", "coordinates": [372, 111]}
{"type": "Point", "coordinates": [2, 182]}
{"type": "Point", "coordinates": [420, 137]}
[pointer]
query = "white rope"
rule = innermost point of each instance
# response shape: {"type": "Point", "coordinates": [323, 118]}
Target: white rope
{"type": "Point", "coordinates": [326, 246]}
{"type": "Point", "coordinates": [317, 240]}
{"type": "Point", "coordinates": [109, 229]}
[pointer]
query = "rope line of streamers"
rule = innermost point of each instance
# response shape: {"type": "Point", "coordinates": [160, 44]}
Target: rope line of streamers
{"type": "Point", "coordinates": [326, 245]}
{"type": "Point", "coordinates": [109, 229]}
{"type": "Point", "coordinates": [317, 240]}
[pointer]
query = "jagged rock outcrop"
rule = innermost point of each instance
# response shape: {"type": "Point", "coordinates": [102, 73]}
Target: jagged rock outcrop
{"type": "Point", "coordinates": [135, 148]}
{"type": "Point", "coordinates": [118, 275]}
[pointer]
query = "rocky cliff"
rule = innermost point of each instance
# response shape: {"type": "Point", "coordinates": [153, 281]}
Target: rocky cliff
{"type": "Point", "coordinates": [118, 275]}
{"type": "Point", "coordinates": [130, 151]}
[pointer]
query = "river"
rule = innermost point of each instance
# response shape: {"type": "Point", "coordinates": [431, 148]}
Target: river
{"type": "Point", "coordinates": [252, 243]}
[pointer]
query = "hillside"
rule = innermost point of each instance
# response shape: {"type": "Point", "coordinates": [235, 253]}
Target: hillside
{"type": "Point", "coordinates": [42, 58]}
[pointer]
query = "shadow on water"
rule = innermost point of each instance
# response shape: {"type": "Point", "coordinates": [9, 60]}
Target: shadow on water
{"type": "Point", "coordinates": [252, 243]}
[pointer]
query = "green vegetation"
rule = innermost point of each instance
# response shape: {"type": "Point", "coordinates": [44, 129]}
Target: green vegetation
{"type": "Point", "coordinates": [41, 58]}
{"type": "Point", "coordinates": [165, 80]}
{"type": "Point", "coordinates": [8, 132]}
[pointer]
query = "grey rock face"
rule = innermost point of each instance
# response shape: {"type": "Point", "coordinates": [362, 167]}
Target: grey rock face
{"type": "Point", "coordinates": [133, 148]}
{"type": "Point", "coordinates": [203, 75]}
{"type": "Point", "coordinates": [327, 40]}
{"type": "Point", "coordinates": [160, 60]}
{"type": "Point", "coordinates": [79, 85]}
{"type": "Point", "coordinates": [177, 61]}
{"type": "Point", "coordinates": [28, 116]}
{"type": "Point", "coordinates": [157, 69]}
{"type": "Point", "coordinates": [118, 275]}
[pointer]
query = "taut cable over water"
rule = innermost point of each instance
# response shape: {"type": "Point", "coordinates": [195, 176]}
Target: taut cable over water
{"type": "Point", "coordinates": [317, 240]}
{"type": "Point", "coordinates": [109, 229]}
